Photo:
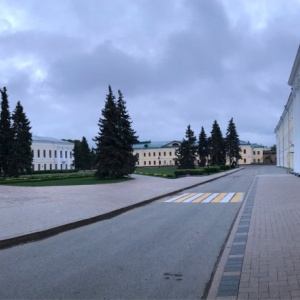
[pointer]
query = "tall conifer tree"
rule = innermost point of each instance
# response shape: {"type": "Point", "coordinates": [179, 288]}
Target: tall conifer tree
{"type": "Point", "coordinates": [21, 153]}
{"type": "Point", "coordinates": [108, 157]}
{"type": "Point", "coordinates": [232, 143]}
{"type": "Point", "coordinates": [186, 153]}
{"type": "Point", "coordinates": [115, 139]}
{"type": "Point", "coordinates": [203, 147]}
{"type": "Point", "coordinates": [85, 154]}
{"type": "Point", "coordinates": [127, 137]}
{"type": "Point", "coordinates": [6, 138]}
{"type": "Point", "coordinates": [218, 154]}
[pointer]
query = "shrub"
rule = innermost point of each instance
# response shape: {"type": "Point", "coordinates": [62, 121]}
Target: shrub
{"type": "Point", "coordinates": [225, 168]}
{"type": "Point", "coordinates": [191, 172]}
{"type": "Point", "coordinates": [209, 170]}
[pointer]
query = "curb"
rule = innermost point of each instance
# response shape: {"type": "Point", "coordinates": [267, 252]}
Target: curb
{"type": "Point", "coordinates": [39, 235]}
{"type": "Point", "coordinates": [213, 286]}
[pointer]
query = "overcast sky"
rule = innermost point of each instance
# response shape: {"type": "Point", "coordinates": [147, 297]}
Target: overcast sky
{"type": "Point", "coordinates": [177, 62]}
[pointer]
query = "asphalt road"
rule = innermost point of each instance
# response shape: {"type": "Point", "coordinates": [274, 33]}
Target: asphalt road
{"type": "Point", "coordinates": [159, 251]}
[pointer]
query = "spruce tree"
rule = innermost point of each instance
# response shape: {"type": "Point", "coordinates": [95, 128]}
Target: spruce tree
{"type": "Point", "coordinates": [77, 154]}
{"type": "Point", "coordinates": [127, 137]}
{"type": "Point", "coordinates": [6, 138]}
{"type": "Point", "coordinates": [203, 148]}
{"type": "Point", "coordinates": [186, 153]}
{"type": "Point", "coordinates": [21, 153]}
{"type": "Point", "coordinates": [217, 151]}
{"type": "Point", "coordinates": [232, 143]}
{"type": "Point", "coordinates": [85, 154]}
{"type": "Point", "coordinates": [109, 159]}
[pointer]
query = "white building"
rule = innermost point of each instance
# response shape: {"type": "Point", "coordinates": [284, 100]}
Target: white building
{"type": "Point", "coordinates": [51, 154]}
{"type": "Point", "coordinates": [288, 128]}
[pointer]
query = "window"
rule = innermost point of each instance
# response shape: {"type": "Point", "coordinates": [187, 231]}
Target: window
{"type": "Point", "coordinates": [44, 153]}
{"type": "Point", "coordinates": [39, 167]}
{"type": "Point", "coordinates": [144, 163]}
{"type": "Point", "coordinates": [253, 152]}
{"type": "Point", "coordinates": [55, 165]}
{"type": "Point", "coordinates": [144, 154]}
{"type": "Point", "coordinates": [154, 162]}
{"type": "Point", "coordinates": [66, 166]}
{"type": "Point", "coordinates": [60, 154]}
{"type": "Point", "coordinates": [66, 154]}
{"type": "Point", "coordinates": [55, 153]}
{"type": "Point", "coordinates": [164, 162]}
{"type": "Point", "coordinates": [45, 167]}
{"type": "Point", "coordinates": [149, 163]}
{"type": "Point", "coordinates": [258, 152]}
{"type": "Point", "coordinates": [254, 160]}
{"type": "Point", "coordinates": [159, 162]}
{"type": "Point", "coordinates": [50, 155]}
{"type": "Point", "coordinates": [245, 160]}
{"type": "Point", "coordinates": [244, 151]}
{"type": "Point", "coordinates": [159, 154]}
{"type": "Point", "coordinates": [61, 166]}
{"type": "Point", "coordinates": [153, 153]}
{"type": "Point", "coordinates": [38, 153]}
{"type": "Point", "coordinates": [164, 153]}
{"type": "Point", "coordinates": [50, 166]}
{"type": "Point", "coordinates": [149, 154]}
{"type": "Point", "coordinates": [258, 160]}
{"type": "Point", "coordinates": [70, 154]}
{"type": "Point", "coordinates": [170, 153]}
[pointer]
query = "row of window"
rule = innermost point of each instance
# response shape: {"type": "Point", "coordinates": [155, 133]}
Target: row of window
{"type": "Point", "coordinates": [41, 167]}
{"type": "Point", "coordinates": [159, 153]}
{"type": "Point", "coordinates": [159, 163]}
{"type": "Point", "coordinates": [55, 153]}
{"type": "Point", "coordinates": [258, 152]}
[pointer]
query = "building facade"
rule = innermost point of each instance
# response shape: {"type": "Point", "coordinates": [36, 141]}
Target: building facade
{"type": "Point", "coordinates": [288, 128]}
{"type": "Point", "coordinates": [153, 154]}
{"type": "Point", "coordinates": [51, 154]}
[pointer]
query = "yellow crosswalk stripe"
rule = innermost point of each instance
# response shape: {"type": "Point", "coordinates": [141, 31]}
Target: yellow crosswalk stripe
{"type": "Point", "coordinates": [237, 197]}
{"type": "Point", "coordinates": [208, 198]}
{"type": "Point", "coordinates": [219, 197]}
{"type": "Point", "coordinates": [185, 197]}
{"type": "Point", "coordinates": [201, 198]}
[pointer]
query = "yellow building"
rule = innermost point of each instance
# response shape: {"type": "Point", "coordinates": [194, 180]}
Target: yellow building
{"type": "Point", "coordinates": [156, 153]}
{"type": "Point", "coordinates": [153, 154]}
{"type": "Point", "coordinates": [251, 153]}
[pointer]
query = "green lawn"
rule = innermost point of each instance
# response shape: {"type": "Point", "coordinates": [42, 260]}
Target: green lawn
{"type": "Point", "coordinates": [167, 172]}
{"type": "Point", "coordinates": [58, 180]}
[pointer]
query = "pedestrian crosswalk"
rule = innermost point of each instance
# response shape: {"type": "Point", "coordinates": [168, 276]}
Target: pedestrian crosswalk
{"type": "Point", "coordinates": [207, 198]}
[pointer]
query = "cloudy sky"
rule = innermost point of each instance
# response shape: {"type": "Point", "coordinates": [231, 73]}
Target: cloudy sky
{"type": "Point", "coordinates": [177, 62]}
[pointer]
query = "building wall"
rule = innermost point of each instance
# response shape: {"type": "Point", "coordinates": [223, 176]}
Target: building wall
{"type": "Point", "coordinates": [288, 128]}
{"type": "Point", "coordinates": [51, 154]}
{"type": "Point", "coordinates": [156, 157]}
{"type": "Point", "coordinates": [165, 156]}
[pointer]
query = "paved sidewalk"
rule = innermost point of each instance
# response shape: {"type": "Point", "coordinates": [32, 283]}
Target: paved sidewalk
{"type": "Point", "coordinates": [28, 213]}
{"type": "Point", "coordinates": [262, 257]}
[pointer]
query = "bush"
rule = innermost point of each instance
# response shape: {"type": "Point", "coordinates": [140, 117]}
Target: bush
{"type": "Point", "coordinates": [225, 168]}
{"type": "Point", "coordinates": [53, 171]}
{"type": "Point", "coordinates": [191, 172]}
{"type": "Point", "coordinates": [210, 170]}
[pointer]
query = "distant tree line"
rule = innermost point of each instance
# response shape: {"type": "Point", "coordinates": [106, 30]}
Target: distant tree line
{"type": "Point", "coordinates": [15, 139]}
{"type": "Point", "coordinates": [212, 150]}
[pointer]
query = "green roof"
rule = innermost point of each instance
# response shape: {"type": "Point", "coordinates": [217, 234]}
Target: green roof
{"type": "Point", "coordinates": [154, 145]}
